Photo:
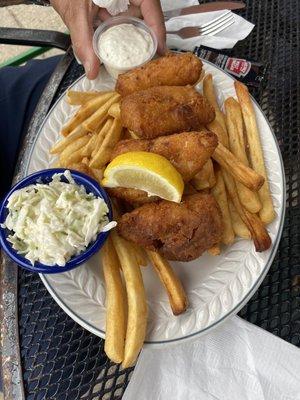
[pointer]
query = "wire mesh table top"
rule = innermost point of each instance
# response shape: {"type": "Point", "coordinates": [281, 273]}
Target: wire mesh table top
{"type": "Point", "coordinates": [60, 360]}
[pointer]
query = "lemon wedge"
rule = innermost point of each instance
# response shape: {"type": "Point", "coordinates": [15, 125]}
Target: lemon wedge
{"type": "Point", "coordinates": [145, 171]}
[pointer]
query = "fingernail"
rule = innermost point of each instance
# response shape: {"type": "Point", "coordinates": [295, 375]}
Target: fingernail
{"type": "Point", "coordinates": [162, 50]}
{"type": "Point", "coordinates": [77, 59]}
{"type": "Point", "coordinates": [87, 68]}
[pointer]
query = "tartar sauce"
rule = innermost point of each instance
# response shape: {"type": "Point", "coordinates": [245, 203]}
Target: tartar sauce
{"type": "Point", "coordinates": [51, 223]}
{"type": "Point", "coordinates": [125, 46]}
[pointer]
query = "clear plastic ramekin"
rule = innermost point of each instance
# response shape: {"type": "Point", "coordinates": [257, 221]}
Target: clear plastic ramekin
{"type": "Point", "coordinates": [114, 70]}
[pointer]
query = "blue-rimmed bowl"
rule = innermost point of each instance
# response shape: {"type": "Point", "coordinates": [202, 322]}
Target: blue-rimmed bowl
{"type": "Point", "coordinates": [45, 176]}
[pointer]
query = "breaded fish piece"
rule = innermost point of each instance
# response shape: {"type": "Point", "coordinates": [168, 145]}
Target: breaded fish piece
{"type": "Point", "coordinates": [164, 110]}
{"type": "Point", "coordinates": [179, 232]}
{"type": "Point", "coordinates": [187, 151]}
{"type": "Point", "coordinates": [135, 197]}
{"type": "Point", "coordinates": [174, 69]}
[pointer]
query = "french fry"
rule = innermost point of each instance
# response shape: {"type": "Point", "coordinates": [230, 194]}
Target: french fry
{"type": "Point", "coordinates": [200, 181]}
{"type": "Point", "coordinates": [133, 135]}
{"type": "Point", "coordinates": [101, 135]}
{"type": "Point", "coordinates": [115, 304]}
{"type": "Point", "coordinates": [209, 93]}
{"type": "Point", "coordinates": [140, 255]}
{"type": "Point", "coordinates": [81, 167]}
{"type": "Point", "coordinates": [177, 296]}
{"type": "Point", "coordinates": [216, 128]}
{"type": "Point", "coordinates": [103, 154]}
{"type": "Point", "coordinates": [56, 164]}
{"type": "Point", "coordinates": [202, 75]}
{"type": "Point", "coordinates": [267, 213]}
{"type": "Point", "coordinates": [74, 158]}
{"type": "Point", "coordinates": [87, 110]}
{"type": "Point", "coordinates": [205, 178]}
{"type": "Point", "coordinates": [76, 98]}
{"type": "Point", "coordinates": [93, 123]}
{"type": "Point", "coordinates": [115, 111]}
{"type": "Point", "coordinates": [89, 147]}
{"type": "Point", "coordinates": [259, 234]}
{"type": "Point", "coordinates": [136, 298]}
{"type": "Point", "coordinates": [215, 250]}
{"type": "Point", "coordinates": [219, 193]}
{"type": "Point", "coordinates": [239, 171]}
{"type": "Point", "coordinates": [85, 160]}
{"type": "Point", "coordinates": [72, 152]}
{"type": "Point", "coordinates": [77, 133]}
{"type": "Point", "coordinates": [234, 123]}
{"type": "Point", "coordinates": [239, 228]}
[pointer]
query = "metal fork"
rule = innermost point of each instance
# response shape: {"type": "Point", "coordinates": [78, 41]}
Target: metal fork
{"type": "Point", "coordinates": [211, 28]}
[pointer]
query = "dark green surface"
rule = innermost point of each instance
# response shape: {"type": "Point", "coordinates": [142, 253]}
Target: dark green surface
{"type": "Point", "coordinates": [25, 56]}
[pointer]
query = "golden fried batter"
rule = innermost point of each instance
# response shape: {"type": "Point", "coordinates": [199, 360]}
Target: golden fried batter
{"type": "Point", "coordinates": [132, 196]}
{"type": "Point", "coordinates": [187, 151]}
{"type": "Point", "coordinates": [179, 232]}
{"type": "Point", "coordinates": [174, 69]}
{"type": "Point", "coordinates": [164, 110]}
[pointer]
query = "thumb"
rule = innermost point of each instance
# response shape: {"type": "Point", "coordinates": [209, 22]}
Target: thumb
{"type": "Point", "coordinates": [79, 22]}
{"type": "Point", "coordinates": [153, 16]}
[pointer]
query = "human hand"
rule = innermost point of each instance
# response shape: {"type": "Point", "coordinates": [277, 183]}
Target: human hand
{"type": "Point", "coordinates": [152, 13]}
{"type": "Point", "coordinates": [79, 15]}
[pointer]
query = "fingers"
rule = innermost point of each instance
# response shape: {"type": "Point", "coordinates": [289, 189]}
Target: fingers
{"type": "Point", "coordinates": [103, 14]}
{"type": "Point", "coordinates": [133, 11]}
{"type": "Point", "coordinates": [78, 17]}
{"type": "Point", "coordinates": [153, 16]}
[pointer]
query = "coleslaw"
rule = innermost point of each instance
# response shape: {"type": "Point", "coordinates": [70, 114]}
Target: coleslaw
{"type": "Point", "coordinates": [50, 223]}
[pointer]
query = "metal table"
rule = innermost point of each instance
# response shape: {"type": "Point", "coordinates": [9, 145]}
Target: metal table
{"type": "Point", "coordinates": [46, 355]}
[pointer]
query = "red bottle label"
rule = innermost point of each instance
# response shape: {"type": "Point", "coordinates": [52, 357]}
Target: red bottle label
{"type": "Point", "coordinates": [237, 67]}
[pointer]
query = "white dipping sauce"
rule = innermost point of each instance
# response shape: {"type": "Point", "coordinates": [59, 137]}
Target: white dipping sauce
{"type": "Point", "coordinates": [125, 46]}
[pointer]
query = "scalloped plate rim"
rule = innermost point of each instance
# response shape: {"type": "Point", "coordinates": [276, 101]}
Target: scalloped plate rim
{"type": "Point", "coordinates": [237, 307]}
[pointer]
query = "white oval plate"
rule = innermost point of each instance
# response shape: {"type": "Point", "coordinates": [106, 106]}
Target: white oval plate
{"type": "Point", "coordinates": [217, 287]}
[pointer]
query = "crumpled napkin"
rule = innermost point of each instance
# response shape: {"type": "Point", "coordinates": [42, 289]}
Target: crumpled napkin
{"type": "Point", "coordinates": [223, 40]}
{"type": "Point", "coordinates": [235, 361]}
{"type": "Point", "coordinates": [114, 7]}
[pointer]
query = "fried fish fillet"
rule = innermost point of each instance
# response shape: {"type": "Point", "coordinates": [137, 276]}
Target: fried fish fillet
{"type": "Point", "coordinates": [135, 197]}
{"type": "Point", "coordinates": [187, 151]}
{"type": "Point", "coordinates": [174, 69]}
{"type": "Point", "coordinates": [179, 232]}
{"type": "Point", "coordinates": [164, 110]}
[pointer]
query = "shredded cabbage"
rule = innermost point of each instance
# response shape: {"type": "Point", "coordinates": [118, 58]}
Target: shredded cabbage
{"type": "Point", "coordinates": [53, 222]}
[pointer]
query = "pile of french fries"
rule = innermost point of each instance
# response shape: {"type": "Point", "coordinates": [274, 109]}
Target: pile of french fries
{"type": "Point", "coordinates": [246, 205]}
{"type": "Point", "coordinates": [235, 175]}
{"type": "Point", "coordinates": [91, 134]}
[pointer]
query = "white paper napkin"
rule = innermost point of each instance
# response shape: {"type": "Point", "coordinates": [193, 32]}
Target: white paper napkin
{"type": "Point", "coordinates": [236, 361]}
{"type": "Point", "coordinates": [223, 40]}
{"type": "Point", "coordinates": [173, 4]}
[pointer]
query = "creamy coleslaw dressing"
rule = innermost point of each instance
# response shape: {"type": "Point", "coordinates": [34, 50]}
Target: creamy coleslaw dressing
{"type": "Point", "coordinates": [125, 46]}
{"type": "Point", "coordinates": [50, 223]}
